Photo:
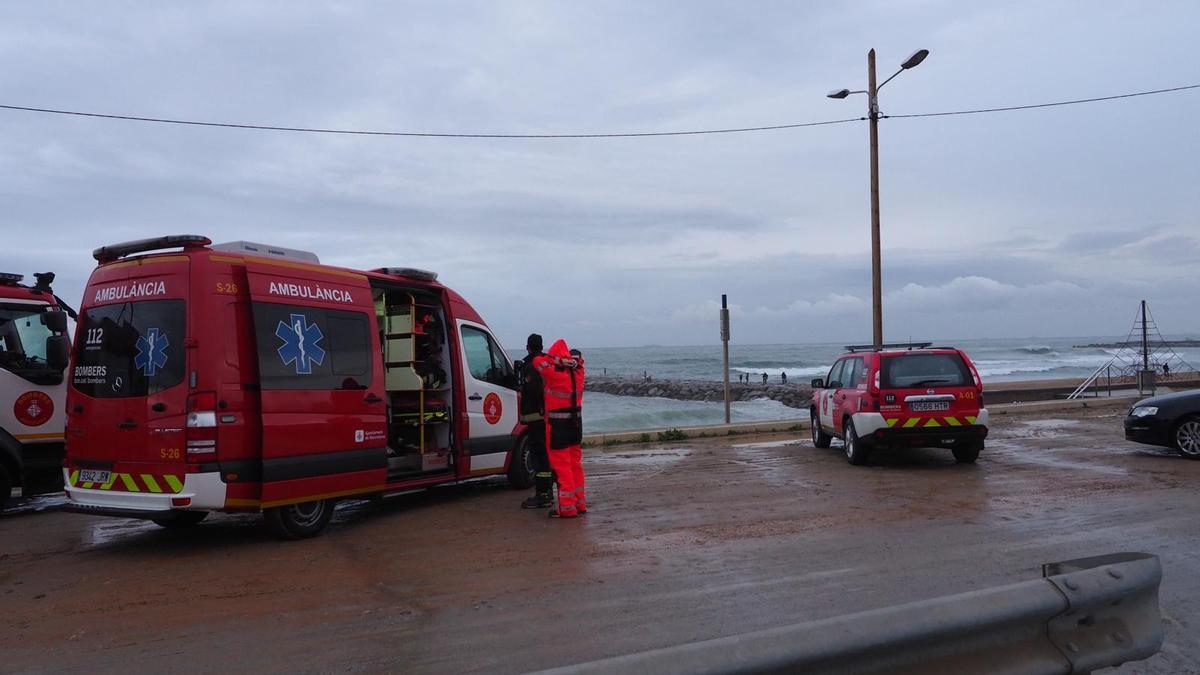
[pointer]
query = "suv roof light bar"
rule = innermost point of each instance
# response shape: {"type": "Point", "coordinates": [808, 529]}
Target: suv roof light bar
{"type": "Point", "coordinates": [112, 252]}
{"type": "Point", "coordinates": [888, 345]}
{"type": "Point", "coordinates": [410, 272]}
{"type": "Point", "coordinates": [9, 279]}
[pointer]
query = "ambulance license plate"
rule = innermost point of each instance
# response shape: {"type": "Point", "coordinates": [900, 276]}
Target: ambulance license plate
{"type": "Point", "coordinates": [94, 476]}
{"type": "Point", "coordinates": [924, 406]}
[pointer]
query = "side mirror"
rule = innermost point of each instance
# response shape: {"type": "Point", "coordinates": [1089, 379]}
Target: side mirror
{"type": "Point", "coordinates": [818, 383]}
{"type": "Point", "coordinates": [58, 351]}
{"type": "Point", "coordinates": [55, 320]}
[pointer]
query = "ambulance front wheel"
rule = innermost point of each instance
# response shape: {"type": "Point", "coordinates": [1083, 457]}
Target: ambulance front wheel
{"type": "Point", "coordinates": [299, 521]}
{"type": "Point", "coordinates": [521, 468]}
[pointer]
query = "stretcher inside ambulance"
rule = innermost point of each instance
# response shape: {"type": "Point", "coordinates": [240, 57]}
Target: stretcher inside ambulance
{"type": "Point", "coordinates": [250, 377]}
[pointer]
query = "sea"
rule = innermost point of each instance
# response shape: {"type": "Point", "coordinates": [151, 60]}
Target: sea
{"type": "Point", "coordinates": [998, 360]}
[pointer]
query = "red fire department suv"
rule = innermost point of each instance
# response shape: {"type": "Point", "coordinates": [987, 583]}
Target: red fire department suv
{"type": "Point", "coordinates": [900, 396]}
{"type": "Point", "coordinates": [248, 377]}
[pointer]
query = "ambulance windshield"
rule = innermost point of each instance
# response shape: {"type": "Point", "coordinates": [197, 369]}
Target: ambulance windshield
{"type": "Point", "coordinates": [129, 349]}
{"type": "Point", "coordinates": [23, 343]}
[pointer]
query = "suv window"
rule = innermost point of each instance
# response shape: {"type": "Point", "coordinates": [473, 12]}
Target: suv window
{"type": "Point", "coordinates": [852, 374]}
{"type": "Point", "coordinates": [835, 374]}
{"type": "Point", "coordinates": [130, 349]}
{"type": "Point", "coordinates": [485, 360]}
{"type": "Point", "coordinates": [311, 348]}
{"type": "Point", "coordinates": [924, 370]}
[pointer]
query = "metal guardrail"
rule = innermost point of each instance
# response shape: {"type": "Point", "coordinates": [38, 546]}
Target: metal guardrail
{"type": "Point", "coordinates": [1084, 614]}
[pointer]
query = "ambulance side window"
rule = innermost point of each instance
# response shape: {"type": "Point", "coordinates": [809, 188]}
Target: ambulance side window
{"type": "Point", "coordinates": [485, 360]}
{"type": "Point", "coordinates": [312, 348]}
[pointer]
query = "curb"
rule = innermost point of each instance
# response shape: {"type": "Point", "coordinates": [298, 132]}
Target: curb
{"type": "Point", "coordinates": [664, 434]}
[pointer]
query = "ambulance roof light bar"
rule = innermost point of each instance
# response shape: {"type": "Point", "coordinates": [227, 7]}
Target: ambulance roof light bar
{"type": "Point", "coordinates": [112, 252]}
{"type": "Point", "coordinates": [410, 272]}
{"type": "Point", "coordinates": [891, 345]}
{"type": "Point", "coordinates": [267, 251]}
{"type": "Point", "coordinates": [8, 279]}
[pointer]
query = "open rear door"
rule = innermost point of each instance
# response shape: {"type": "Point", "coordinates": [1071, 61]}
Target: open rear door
{"type": "Point", "coordinates": [323, 414]}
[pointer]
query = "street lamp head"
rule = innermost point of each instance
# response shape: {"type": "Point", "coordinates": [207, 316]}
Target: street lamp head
{"type": "Point", "coordinates": [838, 93]}
{"type": "Point", "coordinates": [915, 60]}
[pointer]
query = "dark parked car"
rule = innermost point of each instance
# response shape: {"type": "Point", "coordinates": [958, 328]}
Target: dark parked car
{"type": "Point", "coordinates": [1172, 420]}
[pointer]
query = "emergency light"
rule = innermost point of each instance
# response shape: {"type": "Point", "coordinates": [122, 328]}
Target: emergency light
{"type": "Point", "coordinates": [112, 252]}
{"type": "Point", "coordinates": [410, 272]}
{"type": "Point", "coordinates": [9, 279]}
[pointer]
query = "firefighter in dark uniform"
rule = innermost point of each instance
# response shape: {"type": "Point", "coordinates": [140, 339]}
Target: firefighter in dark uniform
{"type": "Point", "coordinates": [533, 409]}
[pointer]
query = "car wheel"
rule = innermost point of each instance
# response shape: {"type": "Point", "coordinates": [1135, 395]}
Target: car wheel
{"type": "Point", "coordinates": [967, 454]}
{"type": "Point", "coordinates": [520, 469]}
{"type": "Point", "coordinates": [181, 519]}
{"type": "Point", "coordinates": [820, 439]}
{"type": "Point", "coordinates": [299, 521]}
{"type": "Point", "coordinates": [856, 454]}
{"type": "Point", "coordinates": [1187, 437]}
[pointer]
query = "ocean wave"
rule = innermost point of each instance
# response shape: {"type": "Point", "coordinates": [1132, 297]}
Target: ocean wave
{"type": "Point", "coordinates": [1036, 349]}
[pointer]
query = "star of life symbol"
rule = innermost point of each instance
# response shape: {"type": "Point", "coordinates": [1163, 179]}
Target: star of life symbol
{"type": "Point", "coordinates": [34, 409]}
{"type": "Point", "coordinates": [300, 346]}
{"type": "Point", "coordinates": [151, 352]}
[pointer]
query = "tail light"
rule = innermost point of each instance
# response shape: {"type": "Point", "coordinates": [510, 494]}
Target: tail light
{"type": "Point", "coordinates": [875, 383]}
{"type": "Point", "coordinates": [202, 427]}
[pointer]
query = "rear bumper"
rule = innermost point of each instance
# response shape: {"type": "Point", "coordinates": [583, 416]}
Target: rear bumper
{"type": "Point", "coordinates": [206, 492]}
{"type": "Point", "coordinates": [876, 431]}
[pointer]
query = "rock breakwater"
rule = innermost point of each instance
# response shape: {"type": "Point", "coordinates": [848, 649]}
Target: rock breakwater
{"type": "Point", "coordinates": [792, 395]}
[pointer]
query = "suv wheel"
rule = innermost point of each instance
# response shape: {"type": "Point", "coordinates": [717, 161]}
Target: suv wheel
{"type": "Point", "coordinates": [1187, 437]}
{"type": "Point", "coordinates": [5, 486]}
{"type": "Point", "coordinates": [967, 454]}
{"type": "Point", "coordinates": [820, 439]}
{"type": "Point", "coordinates": [856, 453]}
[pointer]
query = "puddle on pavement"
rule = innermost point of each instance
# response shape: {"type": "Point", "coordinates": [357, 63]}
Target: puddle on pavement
{"type": "Point", "coordinates": [112, 529]}
{"type": "Point", "coordinates": [51, 502]}
{"type": "Point", "coordinates": [1041, 457]}
{"type": "Point", "coordinates": [771, 444]}
{"type": "Point", "coordinates": [640, 458]}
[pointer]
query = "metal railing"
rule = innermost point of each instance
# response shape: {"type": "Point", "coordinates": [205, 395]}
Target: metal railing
{"type": "Point", "coordinates": [1084, 614]}
{"type": "Point", "coordinates": [1091, 379]}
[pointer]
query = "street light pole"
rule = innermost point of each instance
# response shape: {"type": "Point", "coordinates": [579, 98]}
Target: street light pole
{"type": "Point", "coordinates": [872, 93]}
{"type": "Point", "coordinates": [876, 258]}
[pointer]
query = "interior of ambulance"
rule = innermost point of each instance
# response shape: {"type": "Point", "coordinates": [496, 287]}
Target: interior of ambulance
{"type": "Point", "coordinates": [417, 379]}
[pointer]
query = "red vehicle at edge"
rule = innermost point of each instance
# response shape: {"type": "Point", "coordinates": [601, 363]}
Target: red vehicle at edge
{"type": "Point", "coordinates": [243, 377]}
{"type": "Point", "coordinates": [900, 396]}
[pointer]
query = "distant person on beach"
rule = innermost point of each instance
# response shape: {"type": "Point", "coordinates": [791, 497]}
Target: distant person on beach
{"type": "Point", "coordinates": [764, 378]}
{"type": "Point", "coordinates": [783, 377]}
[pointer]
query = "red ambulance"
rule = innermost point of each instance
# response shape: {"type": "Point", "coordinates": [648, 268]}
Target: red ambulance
{"type": "Point", "coordinates": [246, 377]}
{"type": "Point", "coordinates": [33, 355]}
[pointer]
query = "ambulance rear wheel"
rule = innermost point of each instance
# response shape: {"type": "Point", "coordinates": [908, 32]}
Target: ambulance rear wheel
{"type": "Point", "coordinates": [820, 439]}
{"type": "Point", "coordinates": [181, 519]}
{"type": "Point", "coordinates": [299, 521]}
{"type": "Point", "coordinates": [520, 469]}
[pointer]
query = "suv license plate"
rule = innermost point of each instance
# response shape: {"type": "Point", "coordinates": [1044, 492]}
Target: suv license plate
{"type": "Point", "coordinates": [94, 476]}
{"type": "Point", "coordinates": [922, 406]}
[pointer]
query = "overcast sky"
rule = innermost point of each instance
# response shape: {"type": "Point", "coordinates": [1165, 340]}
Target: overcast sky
{"type": "Point", "coordinates": [1041, 223]}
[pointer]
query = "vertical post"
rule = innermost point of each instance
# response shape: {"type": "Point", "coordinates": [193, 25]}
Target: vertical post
{"type": "Point", "coordinates": [1145, 342]}
{"type": "Point", "coordinates": [876, 275]}
{"type": "Point", "coordinates": [725, 348]}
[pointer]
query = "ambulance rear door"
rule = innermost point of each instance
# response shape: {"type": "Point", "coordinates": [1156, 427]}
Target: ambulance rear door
{"type": "Point", "coordinates": [321, 379]}
{"type": "Point", "coordinates": [490, 386]}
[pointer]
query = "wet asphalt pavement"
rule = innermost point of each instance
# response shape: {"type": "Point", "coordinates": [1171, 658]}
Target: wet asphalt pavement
{"type": "Point", "coordinates": [686, 541]}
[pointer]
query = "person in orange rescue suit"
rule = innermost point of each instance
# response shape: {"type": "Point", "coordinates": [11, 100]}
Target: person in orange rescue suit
{"type": "Point", "coordinates": [533, 410]}
{"type": "Point", "coordinates": [562, 376]}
